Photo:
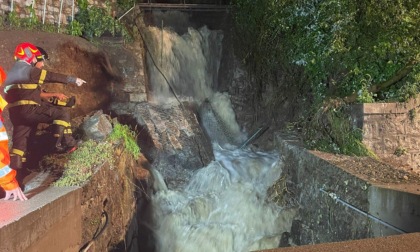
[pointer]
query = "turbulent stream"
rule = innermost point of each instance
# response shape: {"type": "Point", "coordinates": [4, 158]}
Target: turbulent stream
{"type": "Point", "coordinates": [224, 206]}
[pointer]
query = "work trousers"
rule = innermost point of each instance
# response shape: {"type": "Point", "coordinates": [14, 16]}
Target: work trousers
{"type": "Point", "coordinates": [25, 118]}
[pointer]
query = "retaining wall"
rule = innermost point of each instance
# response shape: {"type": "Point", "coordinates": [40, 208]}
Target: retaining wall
{"type": "Point", "coordinates": [50, 221]}
{"type": "Point", "coordinates": [335, 205]}
{"type": "Point", "coordinates": [391, 131]}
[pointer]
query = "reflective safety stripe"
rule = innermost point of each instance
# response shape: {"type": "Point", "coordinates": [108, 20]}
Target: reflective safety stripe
{"type": "Point", "coordinates": [22, 102]}
{"type": "Point", "coordinates": [4, 171]}
{"type": "Point", "coordinates": [62, 123]}
{"type": "Point", "coordinates": [17, 152]}
{"type": "Point", "coordinates": [3, 136]}
{"type": "Point", "coordinates": [3, 103]}
{"type": "Point", "coordinates": [42, 77]}
{"type": "Point", "coordinates": [67, 131]}
{"type": "Point", "coordinates": [61, 103]}
{"type": "Point", "coordinates": [21, 86]}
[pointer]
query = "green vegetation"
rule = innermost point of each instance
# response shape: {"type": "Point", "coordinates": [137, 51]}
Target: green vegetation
{"type": "Point", "coordinates": [84, 161]}
{"type": "Point", "coordinates": [125, 5]}
{"type": "Point", "coordinates": [330, 130]}
{"type": "Point", "coordinates": [25, 23]}
{"type": "Point", "coordinates": [127, 137]}
{"type": "Point", "coordinates": [347, 50]}
{"type": "Point", "coordinates": [90, 21]}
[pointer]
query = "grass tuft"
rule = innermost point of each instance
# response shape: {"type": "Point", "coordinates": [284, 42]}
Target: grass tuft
{"type": "Point", "coordinates": [83, 162]}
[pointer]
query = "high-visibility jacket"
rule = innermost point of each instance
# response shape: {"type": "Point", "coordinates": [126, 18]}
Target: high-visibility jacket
{"type": "Point", "coordinates": [7, 175]}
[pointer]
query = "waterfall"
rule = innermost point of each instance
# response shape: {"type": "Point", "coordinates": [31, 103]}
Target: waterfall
{"type": "Point", "coordinates": [223, 207]}
{"type": "Point", "coordinates": [188, 64]}
{"type": "Point", "coordinates": [185, 68]}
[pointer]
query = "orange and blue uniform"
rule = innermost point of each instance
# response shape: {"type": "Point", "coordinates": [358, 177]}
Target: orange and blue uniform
{"type": "Point", "coordinates": [7, 175]}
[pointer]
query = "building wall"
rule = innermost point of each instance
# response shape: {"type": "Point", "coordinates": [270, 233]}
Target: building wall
{"type": "Point", "coordinates": [48, 11]}
{"type": "Point", "coordinates": [391, 131]}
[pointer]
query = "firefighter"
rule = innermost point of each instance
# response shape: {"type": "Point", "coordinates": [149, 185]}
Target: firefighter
{"type": "Point", "coordinates": [7, 175]}
{"type": "Point", "coordinates": [22, 89]}
{"type": "Point", "coordinates": [57, 99]}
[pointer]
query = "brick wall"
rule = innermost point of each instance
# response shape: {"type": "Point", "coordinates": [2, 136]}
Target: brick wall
{"type": "Point", "coordinates": [392, 131]}
{"type": "Point", "coordinates": [47, 11]}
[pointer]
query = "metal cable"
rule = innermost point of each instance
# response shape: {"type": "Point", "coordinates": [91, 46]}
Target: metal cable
{"type": "Point", "coordinates": [337, 199]}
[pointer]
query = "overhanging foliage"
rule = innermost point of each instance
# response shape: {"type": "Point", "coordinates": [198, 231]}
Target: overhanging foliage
{"type": "Point", "coordinates": [367, 48]}
{"type": "Point", "coordinates": [353, 50]}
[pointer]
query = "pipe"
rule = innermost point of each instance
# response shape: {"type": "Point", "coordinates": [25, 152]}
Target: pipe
{"type": "Point", "coordinates": [11, 6]}
{"type": "Point", "coordinates": [337, 199]}
{"type": "Point", "coordinates": [126, 12]}
{"type": "Point", "coordinates": [43, 11]}
{"type": "Point", "coordinates": [72, 10]}
{"type": "Point", "coordinates": [98, 232]}
{"type": "Point", "coordinates": [59, 16]}
{"type": "Point", "coordinates": [257, 134]}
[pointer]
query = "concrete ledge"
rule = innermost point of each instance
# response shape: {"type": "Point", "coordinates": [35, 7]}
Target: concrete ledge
{"type": "Point", "coordinates": [48, 221]}
{"type": "Point", "coordinates": [397, 243]}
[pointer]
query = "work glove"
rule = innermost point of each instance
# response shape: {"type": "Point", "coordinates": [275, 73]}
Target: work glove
{"type": "Point", "coordinates": [11, 187]}
{"type": "Point", "coordinates": [17, 193]}
{"type": "Point", "coordinates": [79, 82]}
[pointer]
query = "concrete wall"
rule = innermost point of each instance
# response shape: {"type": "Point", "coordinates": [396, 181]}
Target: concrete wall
{"type": "Point", "coordinates": [401, 210]}
{"type": "Point", "coordinates": [337, 206]}
{"type": "Point", "coordinates": [392, 131]}
{"type": "Point", "coordinates": [37, 225]}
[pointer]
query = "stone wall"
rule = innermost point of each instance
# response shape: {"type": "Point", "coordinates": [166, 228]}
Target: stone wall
{"type": "Point", "coordinates": [391, 131]}
{"type": "Point", "coordinates": [48, 11]}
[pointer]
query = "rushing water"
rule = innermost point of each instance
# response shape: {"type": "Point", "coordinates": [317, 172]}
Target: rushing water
{"type": "Point", "coordinates": [223, 207]}
{"type": "Point", "coordinates": [186, 63]}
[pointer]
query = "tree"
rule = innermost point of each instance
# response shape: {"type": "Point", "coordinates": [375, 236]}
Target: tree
{"type": "Point", "coordinates": [345, 46]}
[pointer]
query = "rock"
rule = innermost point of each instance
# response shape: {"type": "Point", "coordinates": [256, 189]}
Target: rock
{"type": "Point", "coordinates": [97, 127]}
